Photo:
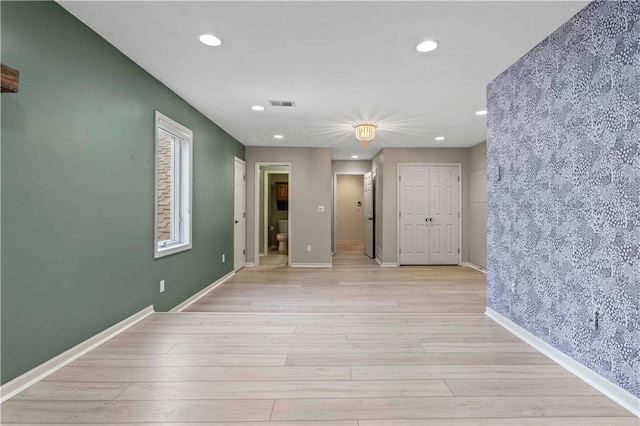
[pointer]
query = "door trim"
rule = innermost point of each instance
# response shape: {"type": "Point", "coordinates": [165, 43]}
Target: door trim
{"type": "Point", "coordinates": [398, 189]}
{"type": "Point", "coordinates": [257, 207]}
{"type": "Point", "coordinates": [265, 207]}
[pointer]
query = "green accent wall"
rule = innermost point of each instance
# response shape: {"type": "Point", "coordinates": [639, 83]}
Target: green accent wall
{"type": "Point", "coordinates": [78, 189]}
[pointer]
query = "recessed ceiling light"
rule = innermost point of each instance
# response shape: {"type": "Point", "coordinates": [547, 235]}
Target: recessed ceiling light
{"type": "Point", "coordinates": [439, 138]}
{"type": "Point", "coordinates": [278, 137]}
{"type": "Point", "coordinates": [482, 112]}
{"type": "Point", "coordinates": [427, 46]}
{"type": "Point", "coordinates": [354, 157]}
{"type": "Point", "coordinates": [209, 40]}
{"type": "Point", "coordinates": [257, 108]}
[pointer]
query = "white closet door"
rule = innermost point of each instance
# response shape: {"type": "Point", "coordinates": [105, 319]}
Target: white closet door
{"type": "Point", "coordinates": [414, 230]}
{"type": "Point", "coordinates": [444, 215]}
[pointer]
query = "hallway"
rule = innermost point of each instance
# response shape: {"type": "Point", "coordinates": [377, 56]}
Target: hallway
{"type": "Point", "coordinates": [354, 345]}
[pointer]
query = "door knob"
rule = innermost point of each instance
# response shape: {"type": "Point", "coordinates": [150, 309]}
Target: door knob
{"type": "Point", "coordinates": [236, 221]}
{"type": "Point", "coordinates": [431, 219]}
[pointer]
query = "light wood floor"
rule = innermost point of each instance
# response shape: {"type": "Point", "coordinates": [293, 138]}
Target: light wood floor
{"type": "Point", "coordinates": [354, 345]}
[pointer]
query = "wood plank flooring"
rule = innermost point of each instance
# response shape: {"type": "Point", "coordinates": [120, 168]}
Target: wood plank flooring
{"type": "Point", "coordinates": [354, 345]}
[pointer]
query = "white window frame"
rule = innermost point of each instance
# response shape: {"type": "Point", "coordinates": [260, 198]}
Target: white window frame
{"type": "Point", "coordinates": [181, 223]}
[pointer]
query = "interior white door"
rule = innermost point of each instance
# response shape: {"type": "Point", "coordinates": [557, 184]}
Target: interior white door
{"type": "Point", "coordinates": [413, 215]}
{"type": "Point", "coordinates": [239, 215]}
{"type": "Point", "coordinates": [368, 214]}
{"type": "Point", "coordinates": [444, 215]}
{"type": "Point", "coordinates": [429, 216]}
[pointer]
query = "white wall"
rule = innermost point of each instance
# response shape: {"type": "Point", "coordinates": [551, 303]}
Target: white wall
{"type": "Point", "coordinates": [350, 166]}
{"type": "Point", "coordinates": [310, 184]}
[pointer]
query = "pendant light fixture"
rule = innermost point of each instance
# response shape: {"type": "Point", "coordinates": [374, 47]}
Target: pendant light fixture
{"type": "Point", "coordinates": [365, 132]}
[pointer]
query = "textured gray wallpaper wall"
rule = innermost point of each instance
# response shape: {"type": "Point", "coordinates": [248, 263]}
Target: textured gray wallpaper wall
{"type": "Point", "coordinates": [564, 191]}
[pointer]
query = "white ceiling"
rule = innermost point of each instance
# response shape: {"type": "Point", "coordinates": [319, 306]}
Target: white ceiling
{"type": "Point", "coordinates": [341, 62]}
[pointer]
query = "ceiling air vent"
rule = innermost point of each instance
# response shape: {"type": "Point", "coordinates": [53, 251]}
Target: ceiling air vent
{"type": "Point", "coordinates": [282, 103]}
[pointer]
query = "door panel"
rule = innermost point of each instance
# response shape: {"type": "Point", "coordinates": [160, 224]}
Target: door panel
{"type": "Point", "coordinates": [368, 214]}
{"type": "Point", "coordinates": [444, 211]}
{"type": "Point", "coordinates": [414, 183]}
{"type": "Point", "coordinates": [239, 215]}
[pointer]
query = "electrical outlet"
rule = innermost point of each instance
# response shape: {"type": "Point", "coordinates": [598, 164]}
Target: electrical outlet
{"type": "Point", "coordinates": [161, 286]}
{"type": "Point", "coordinates": [223, 259]}
{"type": "Point", "coordinates": [309, 248]}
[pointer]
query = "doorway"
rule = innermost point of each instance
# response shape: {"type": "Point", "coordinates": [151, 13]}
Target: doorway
{"type": "Point", "coordinates": [429, 214]}
{"type": "Point", "coordinates": [273, 202]}
{"type": "Point", "coordinates": [349, 213]}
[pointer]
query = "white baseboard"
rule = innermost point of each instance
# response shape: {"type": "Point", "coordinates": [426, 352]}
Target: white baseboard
{"type": "Point", "coordinates": [193, 299]}
{"type": "Point", "coordinates": [311, 265]}
{"type": "Point", "coordinates": [33, 376]}
{"type": "Point", "coordinates": [474, 266]}
{"type": "Point", "coordinates": [621, 396]}
{"type": "Point", "coordinates": [249, 265]}
{"type": "Point", "coordinates": [386, 264]}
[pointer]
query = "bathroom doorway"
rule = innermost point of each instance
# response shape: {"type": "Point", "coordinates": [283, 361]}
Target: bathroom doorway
{"type": "Point", "coordinates": [273, 218]}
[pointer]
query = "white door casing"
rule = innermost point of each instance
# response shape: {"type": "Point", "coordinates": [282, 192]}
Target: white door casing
{"type": "Point", "coordinates": [258, 208]}
{"type": "Point", "coordinates": [239, 216]}
{"type": "Point", "coordinates": [429, 214]}
{"type": "Point", "coordinates": [266, 210]}
{"type": "Point", "coordinates": [368, 214]}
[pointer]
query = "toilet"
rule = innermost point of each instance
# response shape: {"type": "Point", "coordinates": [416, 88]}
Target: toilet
{"type": "Point", "coordinates": [282, 236]}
